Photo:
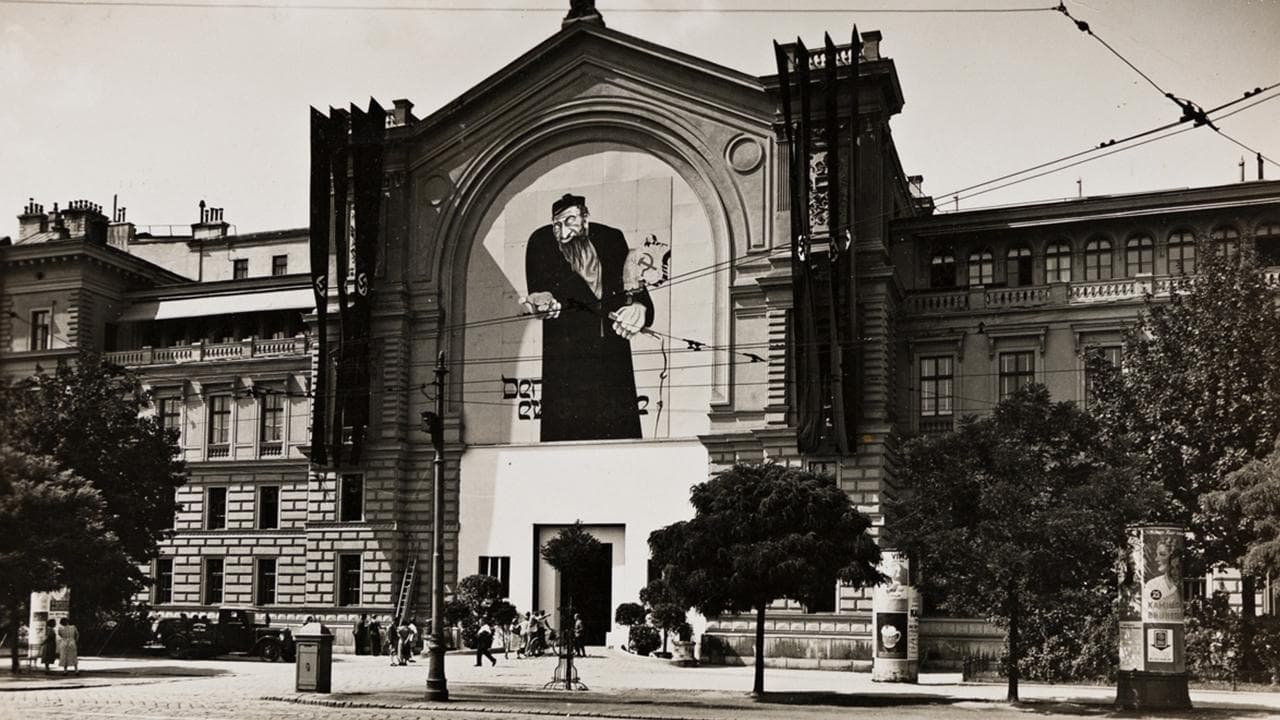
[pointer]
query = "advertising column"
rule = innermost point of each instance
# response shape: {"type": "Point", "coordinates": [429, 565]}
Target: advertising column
{"type": "Point", "coordinates": [46, 609]}
{"type": "Point", "coordinates": [1153, 667]}
{"type": "Point", "coordinates": [895, 622]}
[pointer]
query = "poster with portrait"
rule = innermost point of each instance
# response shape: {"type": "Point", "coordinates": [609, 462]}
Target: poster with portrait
{"type": "Point", "coordinates": [588, 280]}
{"type": "Point", "coordinates": [1162, 551]}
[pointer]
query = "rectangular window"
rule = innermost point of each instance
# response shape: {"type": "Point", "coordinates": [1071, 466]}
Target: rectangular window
{"type": "Point", "coordinates": [213, 581]}
{"type": "Point", "coordinates": [279, 265]}
{"type": "Point", "coordinates": [215, 503]}
{"type": "Point", "coordinates": [219, 422]}
{"type": "Point", "coordinates": [351, 498]}
{"type": "Point", "coordinates": [41, 329]}
{"type": "Point", "coordinates": [170, 411]}
{"type": "Point", "coordinates": [499, 567]}
{"type": "Point", "coordinates": [1017, 370]}
{"type": "Point", "coordinates": [240, 269]}
{"type": "Point", "coordinates": [272, 418]}
{"type": "Point", "coordinates": [164, 581]}
{"type": "Point", "coordinates": [348, 580]}
{"type": "Point", "coordinates": [268, 507]}
{"type": "Point", "coordinates": [1111, 355]}
{"type": "Point", "coordinates": [264, 582]}
{"type": "Point", "coordinates": [936, 386]}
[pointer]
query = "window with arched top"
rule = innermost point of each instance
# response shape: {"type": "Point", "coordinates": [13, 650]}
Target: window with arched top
{"type": "Point", "coordinates": [1017, 266]}
{"type": "Point", "coordinates": [1139, 255]}
{"type": "Point", "coordinates": [1266, 242]}
{"type": "Point", "coordinates": [1057, 263]}
{"type": "Point", "coordinates": [981, 268]}
{"type": "Point", "coordinates": [1097, 259]}
{"type": "Point", "coordinates": [942, 270]}
{"type": "Point", "coordinates": [1182, 252]}
{"type": "Point", "coordinates": [1226, 241]}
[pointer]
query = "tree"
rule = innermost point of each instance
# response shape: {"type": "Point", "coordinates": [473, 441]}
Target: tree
{"type": "Point", "coordinates": [1253, 494]}
{"type": "Point", "coordinates": [569, 552]}
{"type": "Point", "coordinates": [86, 415]}
{"type": "Point", "coordinates": [54, 530]}
{"type": "Point", "coordinates": [762, 533]}
{"type": "Point", "coordinates": [1199, 398]}
{"type": "Point", "coordinates": [1016, 517]}
{"type": "Point", "coordinates": [665, 608]}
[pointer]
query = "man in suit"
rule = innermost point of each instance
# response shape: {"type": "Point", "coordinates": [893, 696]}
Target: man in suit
{"type": "Point", "coordinates": [574, 269]}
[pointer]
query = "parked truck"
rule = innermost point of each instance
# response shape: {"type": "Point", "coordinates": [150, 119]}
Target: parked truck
{"type": "Point", "coordinates": [242, 630]}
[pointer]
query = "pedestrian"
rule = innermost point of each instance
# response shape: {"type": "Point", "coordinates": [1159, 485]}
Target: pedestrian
{"type": "Point", "coordinates": [484, 641]}
{"type": "Point", "coordinates": [579, 636]}
{"type": "Point", "coordinates": [415, 639]}
{"type": "Point", "coordinates": [49, 646]}
{"type": "Point", "coordinates": [375, 636]}
{"type": "Point", "coordinates": [361, 634]}
{"type": "Point", "coordinates": [404, 647]}
{"type": "Point", "coordinates": [68, 651]}
{"type": "Point", "coordinates": [526, 635]}
{"type": "Point", "coordinates": [513, 638]}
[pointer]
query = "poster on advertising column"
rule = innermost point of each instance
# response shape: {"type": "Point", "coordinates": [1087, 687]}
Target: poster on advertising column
{"type": "Point", "coordinates": [582, 294]}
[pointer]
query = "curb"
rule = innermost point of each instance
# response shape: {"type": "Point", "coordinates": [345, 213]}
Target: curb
{"type": "Point", "coordinates": [482, 709]}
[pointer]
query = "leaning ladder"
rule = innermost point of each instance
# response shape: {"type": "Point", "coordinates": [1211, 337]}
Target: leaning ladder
{"type": "Point", "coordinates": [406, 585]}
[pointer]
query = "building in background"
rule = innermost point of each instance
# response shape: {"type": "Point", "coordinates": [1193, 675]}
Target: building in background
{"type": "Point", "coordinates": [687, 163]}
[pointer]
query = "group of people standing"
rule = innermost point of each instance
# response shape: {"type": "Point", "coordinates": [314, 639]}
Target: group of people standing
{"type": "Point", "coordinates": [61, 644]}
{"type": "Point", "coordinates": [401, 640]}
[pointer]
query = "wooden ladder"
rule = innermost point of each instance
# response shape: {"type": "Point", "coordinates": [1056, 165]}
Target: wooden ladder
{"type": "Point", "coordinates": [406, 585]}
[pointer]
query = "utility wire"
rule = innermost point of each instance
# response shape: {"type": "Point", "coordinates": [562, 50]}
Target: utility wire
{"type": "Point", "coordinates": [783, 9]}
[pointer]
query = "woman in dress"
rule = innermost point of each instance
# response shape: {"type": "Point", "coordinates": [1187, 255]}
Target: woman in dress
{"type": "Point", "coordinates": [68, 637]}
{"type": "Point", "coordinates": [49, 646]}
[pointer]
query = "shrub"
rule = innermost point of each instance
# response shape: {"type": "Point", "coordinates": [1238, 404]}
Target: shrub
{"type": "Point", "coordinates": [644, 639]}
{"type": "Point", "coordinates": [1213, 638]}
{"type": "Point", "coordinates": [629, 614]}
{"type": "Point", "coordinates": [684, 631]}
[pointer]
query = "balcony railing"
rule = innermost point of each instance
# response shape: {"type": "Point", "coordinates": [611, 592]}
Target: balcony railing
{"type": "Point", "coordinates": [211, 352]}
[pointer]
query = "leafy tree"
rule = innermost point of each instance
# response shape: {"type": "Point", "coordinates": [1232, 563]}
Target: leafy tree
{"type": "Point", "coordinates": [478, 592]}
{"type": "Point", "coordinates": [667, 611]}
{"type": "Point", "coordinates": [55, 530]}
{"type": "Point", "coordinates": [629, 613]}
{"type": "Point", "coordinates": [571, 551]}
{"type": "Point", "coordinates": [1017, 517]}
{"type": "Point", "coordinates": [86, 416]}
{"type": "Point", "coordinates": [1200, 398]}
{"type": "Point", "coordinates": [761, 533]}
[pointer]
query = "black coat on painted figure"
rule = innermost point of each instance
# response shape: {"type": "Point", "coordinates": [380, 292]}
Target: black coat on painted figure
{"type": "Point", "coordinates": [588, 381]}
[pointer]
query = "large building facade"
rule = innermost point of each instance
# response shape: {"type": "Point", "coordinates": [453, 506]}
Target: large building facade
{"type": "Point", "coordinates": [681, 167]}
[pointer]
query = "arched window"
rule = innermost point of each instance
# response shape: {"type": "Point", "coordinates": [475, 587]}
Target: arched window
{"type": "Point", "coordinates": [942, 270]}
{"type": "Point", "coordinates": [1267, 244]}
{"type": "Point", "coordinates": [1182, 252]}
{"type": "Point", "coordinates": [1139, 255]}
{"type": "Point", "coordinates": [1097, 259]}
{"type": "Point", "coordinates": [981, 268]}
{"type": "Point", "coordinates": [1057, 263]}
{"type": "Point", "coordinates": [1226, 241]}
{"type": "Point", "coordinates": [1017, 266]}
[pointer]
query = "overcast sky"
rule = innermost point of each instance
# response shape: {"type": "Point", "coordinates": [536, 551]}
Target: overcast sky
{"type": "Point", "coordinates": [170, 105]}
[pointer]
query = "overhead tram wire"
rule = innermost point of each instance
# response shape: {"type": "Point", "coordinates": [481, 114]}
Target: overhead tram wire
{"type": "Point", "coordinates": [426, 7]}
{"type": "Point", "coordinates": [1191, 111]}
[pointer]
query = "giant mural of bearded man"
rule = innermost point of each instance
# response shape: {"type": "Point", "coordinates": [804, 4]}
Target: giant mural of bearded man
{"type": "Point", "coordinates": [575, 272]}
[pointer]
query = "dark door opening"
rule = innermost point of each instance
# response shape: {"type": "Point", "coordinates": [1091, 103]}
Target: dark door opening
{"type": "Point", "coordinates": [592, 594]}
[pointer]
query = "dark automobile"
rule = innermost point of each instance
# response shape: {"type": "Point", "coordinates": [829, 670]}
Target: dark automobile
{"type": "Point", "coordinates": [235, 630]}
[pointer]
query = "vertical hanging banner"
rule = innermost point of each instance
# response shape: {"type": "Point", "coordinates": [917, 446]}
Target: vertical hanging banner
{"type": "Point", "coordinates": [846, 266]}
{"type": "Point", "coordinates": [319, 246]}
{"type": "Point", "coordinates": [836, 280]}
{"type": "Point", "coordinates": [367, 131]}
{"type": "Point", "coordinates": [339, 144]}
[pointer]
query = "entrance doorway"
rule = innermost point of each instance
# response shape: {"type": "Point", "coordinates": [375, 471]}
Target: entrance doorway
{"type": "Point", "coordinates": [591, 594]}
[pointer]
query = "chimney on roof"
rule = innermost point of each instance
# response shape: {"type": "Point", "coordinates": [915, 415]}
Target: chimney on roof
{"type": "Point", "coordinates": [582, 11]}
{"type": "Point", "coordinates": [871, 45]}
{"type": "Point", "coordinates": [32, 221]}
{"type": "Point", "coordinates": [84, 219]}
{"type": "Point", "coordinates": [120, 232]}
{"type": "Point", "coordinates": [211, 225]}
{"type": "Point", "coordinates": [401, 114]}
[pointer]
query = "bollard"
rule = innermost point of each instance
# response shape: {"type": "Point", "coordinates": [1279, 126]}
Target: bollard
{"type": "Point", "coordinates": [315, 658]}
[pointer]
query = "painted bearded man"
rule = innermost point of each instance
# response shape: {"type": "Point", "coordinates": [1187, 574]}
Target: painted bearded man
{"type": "Point", "coordinates": [574, 269]}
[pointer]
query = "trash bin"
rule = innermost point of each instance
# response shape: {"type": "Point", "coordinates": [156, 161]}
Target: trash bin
{"type": "Point", "coordinates": [315, 658]}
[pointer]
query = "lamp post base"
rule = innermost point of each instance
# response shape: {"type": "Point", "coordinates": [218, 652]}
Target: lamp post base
{"type": "Point", "coordinates": [437, 685]}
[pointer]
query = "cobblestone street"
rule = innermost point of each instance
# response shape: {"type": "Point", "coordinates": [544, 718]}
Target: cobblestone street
{"type": "Point", "coordinates": [622, 686]}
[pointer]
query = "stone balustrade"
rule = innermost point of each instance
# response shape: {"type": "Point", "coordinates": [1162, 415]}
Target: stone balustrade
{"type": "Point", "coordinates": [212, 352]}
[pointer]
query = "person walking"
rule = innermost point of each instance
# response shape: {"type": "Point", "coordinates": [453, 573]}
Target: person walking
{"type": "Point", "coordinates": [68, 650]}
{"type": "Point", "coordinates": [484, 641]}
{"type": "Point", "coordinates": [375, 636]}
{"type": "Point", "coordinates": [404, 644]}
{"type": "Point", "coordinates": [415, 646]}
{"type": "Point", "coordinates": [526, 634]}
{"type": "Point", "coordinates": [579, 636]}
{"type": "Point", "coordinates": [361, 634]}
{"type": "Point", "coordinates": [49, 646]}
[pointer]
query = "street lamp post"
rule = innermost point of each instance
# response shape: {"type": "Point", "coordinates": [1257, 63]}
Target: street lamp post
{"type": "Point", "coordinates": [433, 423]}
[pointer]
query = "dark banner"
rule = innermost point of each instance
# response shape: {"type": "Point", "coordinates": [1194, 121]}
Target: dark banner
{"type": "Point", "coordinates": [339, 160]}
{"type": "Point", "coordinates": [319, 237]}
{"type": "Point", "coordinates": [367, 131]}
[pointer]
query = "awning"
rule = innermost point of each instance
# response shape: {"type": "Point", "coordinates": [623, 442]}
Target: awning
{"type": "Point", "coordinates": [295, 299]}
